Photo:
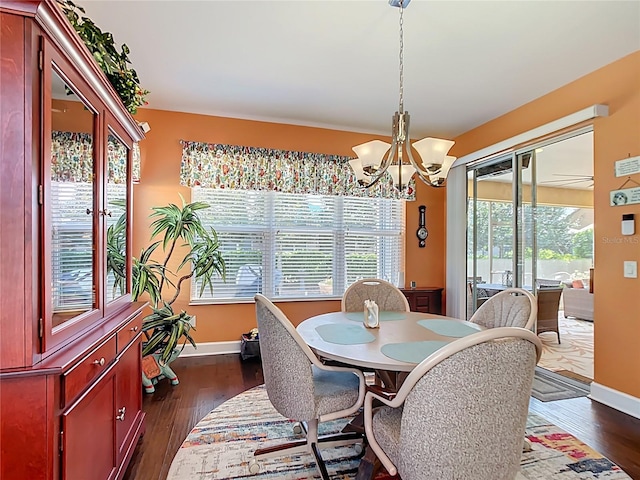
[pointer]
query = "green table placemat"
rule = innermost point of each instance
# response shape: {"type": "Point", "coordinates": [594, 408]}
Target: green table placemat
{"type": "Point", "coordinates": [382, 316]}
{"type": "Point", "coordinates": [448, 328]}
{"type": "Point", "coordinates": [344, 334]}
{"type": "Point", "coordinates": [413, 352]}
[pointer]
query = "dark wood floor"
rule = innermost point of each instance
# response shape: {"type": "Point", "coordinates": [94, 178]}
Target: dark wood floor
{"type": "Point", "coordinates": [206, 382]}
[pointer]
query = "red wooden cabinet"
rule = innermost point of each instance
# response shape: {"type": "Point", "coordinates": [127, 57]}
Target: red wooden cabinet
{"type": "Point", "coordinates": [70, 363]}
{"type": "Point", "coordinates": [425, 299]}
{"type": "Point", "coordinates": [87, 427]}
{"type": "Point", "coordinates": [128, 406]}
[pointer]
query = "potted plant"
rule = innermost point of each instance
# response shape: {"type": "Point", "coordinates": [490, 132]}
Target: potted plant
{"type": "Point", "coordinates": [114, 63]}
{"type": "Point", "coordinates": [165, 329]}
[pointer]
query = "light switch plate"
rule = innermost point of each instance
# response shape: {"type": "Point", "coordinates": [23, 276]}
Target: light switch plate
{"type": "Point", "coordinates": [630, 269]}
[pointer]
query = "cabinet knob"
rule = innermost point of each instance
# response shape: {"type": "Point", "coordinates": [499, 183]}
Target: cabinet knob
{"type": "Point", "coordinates": [121, 413]}
{"type": "Point", "coordinates": [105, 212]}
{"type": "Point", "coordinates": [89, 211]}
{"type": "Point", "coordinates": [99, 362]}
{"type": "Point", "coordinates": [134, 329]}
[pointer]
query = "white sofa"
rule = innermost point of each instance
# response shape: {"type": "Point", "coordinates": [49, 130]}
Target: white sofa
{"type": "Point", "coordinates": [578, 303]}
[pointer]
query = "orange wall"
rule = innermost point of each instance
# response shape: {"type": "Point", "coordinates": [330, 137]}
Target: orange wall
{"type": "Point", "coordinates": [160, 169]}
{"type": "Point", "coordinates": [69, 116]}
{"type": "Point", "coordinates": [617, 299]}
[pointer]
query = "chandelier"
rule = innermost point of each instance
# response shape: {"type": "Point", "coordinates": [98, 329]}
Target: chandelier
{"type": "Point", "coordinates": [377, 157]}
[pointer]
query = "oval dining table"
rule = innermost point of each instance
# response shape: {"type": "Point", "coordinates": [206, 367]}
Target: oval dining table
{"type": "Point", "coordinates": [402, 340]}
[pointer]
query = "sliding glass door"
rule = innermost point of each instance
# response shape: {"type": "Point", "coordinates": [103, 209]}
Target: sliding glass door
{"type": "Point", "coordinates": [530, 217]}
{"type": "Point", "coordinates": [501, 228]}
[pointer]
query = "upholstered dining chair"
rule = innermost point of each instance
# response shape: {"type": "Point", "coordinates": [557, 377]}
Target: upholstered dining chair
{"type": "Point", "coordinates": [513, 307]}
{"type": "Point", "coordinates": [461, 413]}
{"type": "Point", "coordinates": [388, 297]}
{"type": "Point", "coordinates": [301, 388]}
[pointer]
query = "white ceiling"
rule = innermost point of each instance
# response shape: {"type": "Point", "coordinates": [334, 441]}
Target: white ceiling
{"type": "Point", "coordinates": [335, 63]}
{"type": "Point", "coordinates": [564, 164]}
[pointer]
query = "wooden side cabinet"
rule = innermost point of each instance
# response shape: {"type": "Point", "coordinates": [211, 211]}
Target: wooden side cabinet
{"type": "Point", "coordinates": [425, 300]}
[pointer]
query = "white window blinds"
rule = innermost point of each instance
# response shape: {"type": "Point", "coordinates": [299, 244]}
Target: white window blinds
{"type": "Point", "coordinates": [292, 246]}
{"type": "Point", "coordinates": [72, 246]}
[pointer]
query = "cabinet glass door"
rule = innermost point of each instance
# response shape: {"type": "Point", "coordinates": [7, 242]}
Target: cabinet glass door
{"type": "Point", "coordinates": [116, 216]}
{"type": "Point", "coordinates": [70, 207]}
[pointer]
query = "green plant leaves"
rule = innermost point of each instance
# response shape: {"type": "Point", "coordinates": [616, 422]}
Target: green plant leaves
{"type": "Point", "coordinates": [206, 260]}
{"type": "Point", "coordinates": [164, 330]}
{"type": "Point", "coordinates": [178, 222]}
{"type": "Point", "coordinates": [113, 63]}
{"type": "Point", "coordinates": [116, 248]}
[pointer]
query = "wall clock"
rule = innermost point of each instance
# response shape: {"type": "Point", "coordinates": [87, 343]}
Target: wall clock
{"type": "Point", "coordinates": [422, 233]}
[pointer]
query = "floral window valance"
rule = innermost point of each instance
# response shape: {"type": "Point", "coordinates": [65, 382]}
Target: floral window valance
{"type": "Point", "coordinates": [250, 168]}
{"type": "Point", "coordinates": [72, 158]}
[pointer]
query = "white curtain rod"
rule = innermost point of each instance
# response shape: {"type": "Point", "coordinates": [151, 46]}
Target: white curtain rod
{"type": "Point", "coordinates": [541, 131]}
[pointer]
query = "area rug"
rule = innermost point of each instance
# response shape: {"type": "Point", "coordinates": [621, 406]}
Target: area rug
{"type": "Point", "coordinates": [549, 386]}
{"type": "Point", "coordinates": [221, 445]}
{"type": "Point", "coordinates": [575, 353]}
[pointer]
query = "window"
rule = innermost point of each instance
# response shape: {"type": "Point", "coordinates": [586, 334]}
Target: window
{"type": "Point", "coordinates": [292, 246]}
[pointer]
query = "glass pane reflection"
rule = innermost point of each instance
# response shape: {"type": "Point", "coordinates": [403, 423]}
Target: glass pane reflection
{"type": "Point", "coordinates": [71, 204]}
{"type": "Point", "coordinates": [116, 197]}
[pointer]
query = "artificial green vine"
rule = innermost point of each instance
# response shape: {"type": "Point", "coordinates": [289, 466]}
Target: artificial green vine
{"type": "Point", "coordinates": [113, 63]}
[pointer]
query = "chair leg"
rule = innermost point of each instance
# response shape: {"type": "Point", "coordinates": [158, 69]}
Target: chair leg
{"type": "Point", "coordinates": [299, 446]}
{"type": "Point", "coordinates": [310, 444]}
{"type": "Point", "coordinates": [369, 465]}
{"type": "Point", "coordinates": [320, 462]}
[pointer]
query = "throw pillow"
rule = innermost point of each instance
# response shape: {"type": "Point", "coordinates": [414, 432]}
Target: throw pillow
{"type": "Point", "coordinates": [577, 284]}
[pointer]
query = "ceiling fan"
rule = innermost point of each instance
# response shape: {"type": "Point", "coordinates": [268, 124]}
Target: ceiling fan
{"type": "Point", "coordinates": [571, 180]}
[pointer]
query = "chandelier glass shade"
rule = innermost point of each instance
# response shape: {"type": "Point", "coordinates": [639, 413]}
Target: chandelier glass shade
{"type": "Point", "coordinates": [375, 158]}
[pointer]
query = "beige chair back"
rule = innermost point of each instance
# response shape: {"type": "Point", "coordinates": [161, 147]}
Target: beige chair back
{"type": "Point", "coordinates": [513, 307]}
{"type": "Point", "coordinates": [388, 297]}
{"type": "Point", "coordinates": [462, 412]}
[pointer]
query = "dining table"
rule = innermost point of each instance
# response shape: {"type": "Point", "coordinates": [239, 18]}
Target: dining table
{"type": "Point", "coordinates": [398, 344]}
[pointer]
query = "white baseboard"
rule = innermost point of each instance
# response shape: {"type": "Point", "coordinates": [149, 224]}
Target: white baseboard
{"type": "Point", "coordinates": [613, 398]}
{"type": "Point", "coordinates": [211, 348]}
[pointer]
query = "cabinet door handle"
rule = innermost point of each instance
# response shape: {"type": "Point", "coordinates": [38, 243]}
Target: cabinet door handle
{"type": "Point", "coordinates": [89, 211]}
{"type": "Point", "coordinates": [121, 413]}
{"type": "Point", "coordinates": [106, 212]}
{"type": "Point", "coordinates": [99, 362]}
{"type": "Point", "coordinates": [134, 329]}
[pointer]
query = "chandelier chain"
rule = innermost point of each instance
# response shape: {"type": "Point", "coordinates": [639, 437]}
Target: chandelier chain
{"type": "Point", "coordinates": [401, 106]}
{"type": "Point", "coordinates": [377, 158]}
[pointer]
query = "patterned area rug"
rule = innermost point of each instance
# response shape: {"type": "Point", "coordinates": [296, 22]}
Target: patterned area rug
{"type": "Point", "coordinates": [222, 444]}
{"type": "Point", "coordinates": [575, 353]}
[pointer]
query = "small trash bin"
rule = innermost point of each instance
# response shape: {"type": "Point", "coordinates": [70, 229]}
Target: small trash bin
{"type": "Point", "coordinates": [250, 346]}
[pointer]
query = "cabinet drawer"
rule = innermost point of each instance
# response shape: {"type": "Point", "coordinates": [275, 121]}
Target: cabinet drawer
{"type": "Point", "coordinates": [127, 333]}
{"type": "Point", "coordinates": [80, 376]}
{"type": "Point", "coordinates": [422, 301]}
